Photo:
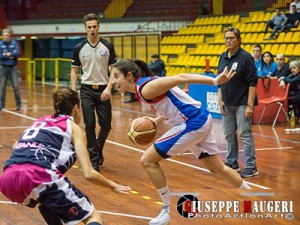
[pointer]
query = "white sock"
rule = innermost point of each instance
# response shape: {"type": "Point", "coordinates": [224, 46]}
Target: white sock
{"type": "Point", "coordinates": [244, 185]}
{"type": "Point", "coordinates": [164, 195]}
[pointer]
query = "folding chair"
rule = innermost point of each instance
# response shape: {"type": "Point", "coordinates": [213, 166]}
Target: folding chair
{"type": "Point", "coordinates": [280, 97]}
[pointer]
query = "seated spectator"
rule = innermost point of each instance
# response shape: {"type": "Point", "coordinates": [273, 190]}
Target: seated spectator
{"type": "Point", "coordinates": [257, 50]}
{"type": "Point", "coordinates": [294, 92]}
{"type": "Point", "coordinates": [157, 66]}
{"type": "Point", "coordinates": [291, 22]}
{"type": "Point", "coordinates": [268, 65]}
{"type": "Point", "coordinates": [297, 4]}
{"type": "Point", "coordinates": [283, 68]}
{"type": "Point", "coordinates": [276, 22]}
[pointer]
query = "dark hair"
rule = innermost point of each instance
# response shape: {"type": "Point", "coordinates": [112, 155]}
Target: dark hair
{"type": "Point", "coordinates": [137, 67]}
{"type": "Point", "coordinates": [263, 62]}
{"type": "Point", "coordinates": [89, 17]}
{"type": "Point", "coordinates": [258, 46]}
{"type": "Point", "coordinates": [64, 100]}
{"type": "Point", "coordinates": [236, 32]}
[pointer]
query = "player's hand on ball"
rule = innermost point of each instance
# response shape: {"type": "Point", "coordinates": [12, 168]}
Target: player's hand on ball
{"type": "Point", "coordinates": [153, 120]}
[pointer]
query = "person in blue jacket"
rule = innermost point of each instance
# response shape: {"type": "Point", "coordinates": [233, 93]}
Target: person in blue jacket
{"type": "Point", "coordinates": [9, 53]}
{"type": "Point", "coordinates": [268, 65]}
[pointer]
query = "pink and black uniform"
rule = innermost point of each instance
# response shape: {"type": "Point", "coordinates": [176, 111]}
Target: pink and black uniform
{"type": "Point", "coordinates": [191, 123]}
{"type": "Point", "coordinates": [34, 173]}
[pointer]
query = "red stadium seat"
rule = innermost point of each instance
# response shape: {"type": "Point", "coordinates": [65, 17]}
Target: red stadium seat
{"type": "Point", "coordinates": [280, 97]}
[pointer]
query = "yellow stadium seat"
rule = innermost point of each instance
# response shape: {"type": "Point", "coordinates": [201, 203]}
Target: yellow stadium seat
{"type": "Point", "coordinates": [281, 48]}
{"type": "Point", "coordinates": [288, 37]}
{"type": "Point", "coordinates": [247, 48]}
{"type": "Point", "coordinates": [248, 27]}
{"type": "Point", "coordinates": [260, 38]}
{"type": "Point", "coordinates": [261, 27]}
{"type": "Point", "coordinates": [247, 38]}
{"type": "Point", "coordinates": [267, 48]}
{"type": "Point", "coordinates": [242, 27]}
{"type": "Point", "coordinates": [260, 17]}
{"type": "Point", "coordinates": [253, 38]}
{"type": "Point", "coordinates": [202, 61]}
{"type": "Point", "coordinates": [289, 49]}
{"type": "Point", "coordinates": [254, 27]}
{"type": "Point", "coordinates": [281, 37]}
{"type": "Point", "coordinates": [209, 50]}
{"type": "Point", "coordinates": [267, 16]}
{"type": "Point", "coordinates": [274, 49]}
{"type": "Point", "coordinates": [296, 37]}
{"type": "Point", "coordinates": [230, 19]}
{"type": "Point", "coordinates": [236, 19]}
{"type": "Point", "coordinates": [296, 50]}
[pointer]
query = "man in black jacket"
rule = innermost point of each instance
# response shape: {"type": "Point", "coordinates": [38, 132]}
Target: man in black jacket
{"type": "Point", "coordinates": [283, 68]}
{"type": "Point", "coordinates": [157, 66]}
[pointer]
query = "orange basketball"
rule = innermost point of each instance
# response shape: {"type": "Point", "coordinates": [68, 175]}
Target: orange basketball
{"type": "Point", "coordinates": [141, 131]}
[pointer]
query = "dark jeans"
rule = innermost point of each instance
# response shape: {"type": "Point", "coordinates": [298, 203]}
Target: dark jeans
{"type": "Point", "coordinates": [91, 102]}
{"type": "Point", "coordinates": [5, 72]}
{"type": "Point", "coordinates": [276, 28]}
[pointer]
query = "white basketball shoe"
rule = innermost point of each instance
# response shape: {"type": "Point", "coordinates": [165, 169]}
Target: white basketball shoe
{"type": "Point", "coordinates": [163, 218]}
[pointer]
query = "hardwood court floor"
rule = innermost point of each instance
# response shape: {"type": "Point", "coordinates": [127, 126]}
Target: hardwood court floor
{"type": "Point", "coordinates": [278, 162]}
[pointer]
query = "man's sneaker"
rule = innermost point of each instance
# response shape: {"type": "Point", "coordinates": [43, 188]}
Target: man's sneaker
{"type": "Point", "coordinates": [163, 218]}
{"type": "Point", "coordinates": [249, 172]}
{"type": "Point", "coordinates": [235, 167]}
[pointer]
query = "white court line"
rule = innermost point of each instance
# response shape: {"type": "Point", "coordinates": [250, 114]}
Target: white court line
{"type": "Point", "coordinates": [181, 163]}
{"type": "Point", "coordinates": [126, 215]}
{"type": "Point", "coordinates": [12, 128]}
{"type": "Point", "coordinates": [139, 150]}
{"type": "Point", "coordinates": [257, 149]}
{"type": "Point", "coordinates": [103, 212]}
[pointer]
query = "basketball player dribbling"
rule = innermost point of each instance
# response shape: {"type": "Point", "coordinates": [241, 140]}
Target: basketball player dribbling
{"type": "Point", "coordinates": [191, 124]}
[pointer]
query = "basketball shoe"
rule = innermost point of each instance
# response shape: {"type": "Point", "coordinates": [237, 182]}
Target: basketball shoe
{"type": "Point", "coordinates": [163, 218]}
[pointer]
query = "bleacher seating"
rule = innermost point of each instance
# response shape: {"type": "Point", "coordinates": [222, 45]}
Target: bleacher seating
{"type": "Point", "coordinates": [193, 59]}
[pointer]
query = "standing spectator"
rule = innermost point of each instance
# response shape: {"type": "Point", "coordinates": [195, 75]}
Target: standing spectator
{"type": "Point", "coordinates": [294, 91]}
{"type": "Point", "coordinates": [9, 53]}
{"type": "Point", "coordinates": [276, 22]}
{"type": "Point", "coordinates": [257, 50]}
{"type": "Point", "coordinates": [34, 173]}
{"type": "Point", "coordinates": [282, 68]}
{"type": "Point", "coordinates": [268, 65]}
{"type": "Point", "coordinates": [157, 66]}
{"type": "Point", "coordinates": [291, 22]}
{"type": "Point", "coordinates": [94, 55]}
{"type": "Point", "coordinates": [237, 99]}
{"type": "Point", "coordinates": [297, 4]}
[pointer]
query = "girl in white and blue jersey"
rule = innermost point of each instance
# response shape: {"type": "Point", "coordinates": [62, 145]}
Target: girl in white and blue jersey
{"type": "Point", "coordinates": [191, 123]}
{"type": "Point", "coordinates": [34, 173]}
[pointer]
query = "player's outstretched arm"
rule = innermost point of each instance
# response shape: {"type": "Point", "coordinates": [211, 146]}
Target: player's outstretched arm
{"type": "Point", "coordinates": [79, 141]}
{"type": "Point", "coordinates": [160, 86]}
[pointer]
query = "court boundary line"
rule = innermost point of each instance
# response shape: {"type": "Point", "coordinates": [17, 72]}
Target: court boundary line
{"type": "Point", "coordinates": [100, 211]}
{"type": "Point", "coordinates": [139, 150]}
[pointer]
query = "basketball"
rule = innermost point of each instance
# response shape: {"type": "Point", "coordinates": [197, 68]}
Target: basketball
{"type": "Point", "coordinates": [141, 131]}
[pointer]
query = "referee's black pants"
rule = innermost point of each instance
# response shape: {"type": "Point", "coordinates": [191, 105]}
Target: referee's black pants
{"type": "Point", "coordinates": [91, 102]}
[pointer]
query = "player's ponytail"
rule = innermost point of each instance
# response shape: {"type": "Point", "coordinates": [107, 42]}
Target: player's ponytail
{"type": "Point", "coordinates": [137, 67]}
{"type": "Point", "coordinates": [146, 72]}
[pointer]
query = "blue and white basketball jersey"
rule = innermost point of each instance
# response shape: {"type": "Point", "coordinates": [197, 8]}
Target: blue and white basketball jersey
{"type": "Point", "coordinates": [47, 143]}
{"type": "Point", "coordinates": [176, 106]}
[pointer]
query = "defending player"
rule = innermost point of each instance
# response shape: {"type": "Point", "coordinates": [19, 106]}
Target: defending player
{"type": "Point", "coordinates": [34, 173]}
{"type": "Point", "coordinates": [191, 123]}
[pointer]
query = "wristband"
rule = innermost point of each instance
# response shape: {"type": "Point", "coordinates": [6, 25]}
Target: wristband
{"type": "Point", "coordinates": [214, 80]}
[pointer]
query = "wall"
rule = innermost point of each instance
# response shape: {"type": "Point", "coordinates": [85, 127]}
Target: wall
{"type": "Point", "coordinates": [61, 27]}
